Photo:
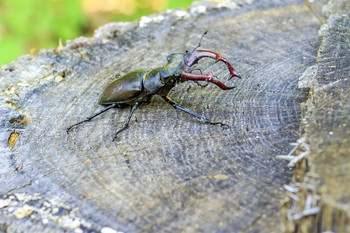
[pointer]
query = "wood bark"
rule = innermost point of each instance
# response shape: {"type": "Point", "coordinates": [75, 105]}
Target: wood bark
{"type": "Point", "coordinates": [168, 172]}
{"type": "Point", "coordinates": [320, 194]}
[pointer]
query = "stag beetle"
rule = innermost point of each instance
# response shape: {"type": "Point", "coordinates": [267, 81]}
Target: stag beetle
{"type": "Point", "coordinates": [138, 87]}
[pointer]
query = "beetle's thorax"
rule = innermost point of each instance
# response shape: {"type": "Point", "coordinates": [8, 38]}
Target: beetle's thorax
{"type": "Point", "coordinates": [152, 81]}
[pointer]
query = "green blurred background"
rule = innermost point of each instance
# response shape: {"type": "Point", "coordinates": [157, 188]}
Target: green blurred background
{"type": "Point", "coordinates": [27, 26]}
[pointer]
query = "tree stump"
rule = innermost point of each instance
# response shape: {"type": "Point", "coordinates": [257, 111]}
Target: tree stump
{"type": "Point", "coordinates": [167, 172]}
{"type": "Point", "coordinates": [320, 196]}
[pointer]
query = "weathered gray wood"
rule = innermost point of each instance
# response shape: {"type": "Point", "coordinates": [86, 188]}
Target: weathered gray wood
{"type": "Point", "coordinates": [168, 172]}
{"type": "Point", "coordinates": [323, 203]}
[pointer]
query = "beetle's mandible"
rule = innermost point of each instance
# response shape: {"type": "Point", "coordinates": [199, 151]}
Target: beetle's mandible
{"type": "Point", "coordinates": [138, 87]}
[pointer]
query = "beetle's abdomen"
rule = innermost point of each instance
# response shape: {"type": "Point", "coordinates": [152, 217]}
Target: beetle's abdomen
{"type": "Point", "coordinates": [124, 89]}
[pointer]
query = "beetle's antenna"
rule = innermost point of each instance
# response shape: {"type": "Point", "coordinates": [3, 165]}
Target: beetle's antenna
{"type": "Point", "coordinates": [200, 41]}
{"type": "Point", "coordinates": [199, 45]}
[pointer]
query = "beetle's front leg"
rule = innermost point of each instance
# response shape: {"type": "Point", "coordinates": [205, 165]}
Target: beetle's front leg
{"type": "Point", "coordinates": [203, 119]}
{"type": "Point", "coordinates": [126, 124]}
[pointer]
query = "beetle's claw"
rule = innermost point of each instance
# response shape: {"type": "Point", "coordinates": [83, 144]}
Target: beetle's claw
{"type": "Point", "coordinates": [223, 125]}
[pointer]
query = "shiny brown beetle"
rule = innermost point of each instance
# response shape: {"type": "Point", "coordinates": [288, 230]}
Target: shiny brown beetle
{"type": "Point", "coordinates": [138, 87]}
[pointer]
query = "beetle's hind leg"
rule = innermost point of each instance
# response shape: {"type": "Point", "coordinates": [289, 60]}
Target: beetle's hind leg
{"type": "Point", "coordinates": [203, 119]}
{"type": "Point", "coordinates": [126, 124]}
{"type": "Point", "coordinates": [91, 117]}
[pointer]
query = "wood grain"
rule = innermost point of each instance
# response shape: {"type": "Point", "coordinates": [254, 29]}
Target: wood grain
{"type": "Point", "coordinates": [168, 172]}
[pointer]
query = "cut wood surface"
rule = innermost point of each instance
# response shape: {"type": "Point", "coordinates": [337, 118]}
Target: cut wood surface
{"type": "Point", "coordinates": [168, 172]}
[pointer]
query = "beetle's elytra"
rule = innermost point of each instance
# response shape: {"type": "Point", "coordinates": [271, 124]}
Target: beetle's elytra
{"type": "Point", "coordinates": [138, 87]}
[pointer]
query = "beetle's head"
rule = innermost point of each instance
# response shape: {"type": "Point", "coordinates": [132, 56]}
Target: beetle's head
{"type": "Point", "coordinates": [175, 66]}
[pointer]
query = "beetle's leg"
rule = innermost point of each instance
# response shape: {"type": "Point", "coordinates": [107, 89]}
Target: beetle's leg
{"type": "Point", "coordinates": [205, 77]}
{"type": "Point", "coordinates": [126, 124]}
{"type": "Point", "coordinates": [201, 85]}
{"type": "Point", "coordinates": [91, 117]}
{"type": "Point", "coordinates": [203, 119]}
{"type": "Point", "coordinates": [198, 54]}
{"type": "Point", "coordinates": [200, 71]}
